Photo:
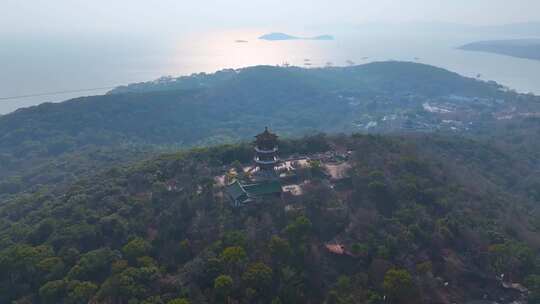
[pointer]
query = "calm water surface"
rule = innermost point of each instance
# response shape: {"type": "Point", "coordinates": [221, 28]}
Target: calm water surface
{"type": "Point", "coordinates": [33, 65]}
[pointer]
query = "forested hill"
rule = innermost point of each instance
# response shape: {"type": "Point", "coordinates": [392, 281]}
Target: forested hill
{"type": "Point", "coordinates": [378, 77]}
{"type": "Point", "coordinates": [429, 218]}
{"type": "Point", "coordinates": [227, 106]}
{"type": "Point", "coordinates": [422, 219]}
{"type": "Point", "coordinates": [222, 106]}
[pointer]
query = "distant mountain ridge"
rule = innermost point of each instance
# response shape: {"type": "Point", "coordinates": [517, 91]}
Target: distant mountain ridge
{"type": "Point", "coordinates": [369, 76]}
{"type": "Point", "coordinates": [521, 48]}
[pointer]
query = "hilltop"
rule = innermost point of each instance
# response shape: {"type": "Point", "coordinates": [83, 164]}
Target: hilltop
{"type": "Point", "coordinates": [420, 219]}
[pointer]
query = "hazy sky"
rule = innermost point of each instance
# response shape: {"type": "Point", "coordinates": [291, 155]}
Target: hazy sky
{"type": "Point", "coordinates": [44, 16]}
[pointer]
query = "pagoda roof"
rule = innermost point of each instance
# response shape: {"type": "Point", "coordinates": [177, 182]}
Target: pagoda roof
{"type": "Point", "coordinates": [266, 135]}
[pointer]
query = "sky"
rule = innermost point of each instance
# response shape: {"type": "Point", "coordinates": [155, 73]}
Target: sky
{"type": "Point", "coordinates": [79, 16]}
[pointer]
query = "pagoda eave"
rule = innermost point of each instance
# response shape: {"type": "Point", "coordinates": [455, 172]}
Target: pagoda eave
{"type": "Point", "coordinates": [263, 151]}
{"type": "Point", "coordinates": [266, 162]}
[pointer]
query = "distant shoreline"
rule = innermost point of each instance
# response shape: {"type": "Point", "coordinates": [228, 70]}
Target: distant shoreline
{"type": "Point", "coordinates": [283, 36]}
{"type": "Point", "coordinates": [518, 48]}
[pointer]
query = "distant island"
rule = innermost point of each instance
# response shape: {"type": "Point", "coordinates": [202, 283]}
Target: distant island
{"type": "Point", "coordinates": [520, 48]}
{"type": "Point", "coordinates": [283, 36]}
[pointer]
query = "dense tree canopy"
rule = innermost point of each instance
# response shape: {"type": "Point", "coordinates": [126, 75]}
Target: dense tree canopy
{"type": "Point", "coordinates": [416, 212]}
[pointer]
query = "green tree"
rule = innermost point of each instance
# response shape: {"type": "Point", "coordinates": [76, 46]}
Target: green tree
{"type": "Point", "coordinates": [184, 251]}
{"type": "Point", "coordinates": [276, 301]}
{"type": "Point", "coordinates": [81, 292]}
{"type": "Point", "coordinates": [343, 284]}
{"type": "Point", "coordinates": [42, 232]}
{"type": "Point", "coordinates": [279, 248]}
{"type": "Point", "coordinates": [179, 301]}
{"type": "Point", "coordinates": [332, 297]}
{"type": "Point", "coordinates": [291, 286]}
{"type": "Point", "coordinates": [533, 284]}
{"type": "Point", "coordinates": [146, 261]}
{"type": "Point", "coordinates": [119, 266]}
{"type": "Point", "coordinates": [379, 192]}
{"type": "Point", "coordinates": [19, 271]}
{"type": "Point", "coordinates": [223, 286]}
{"type": "Point", "coordinates": [359, 249]}
{"type": "Point", "coordinates": [316, 168]}
{"type": "Point", "coordinates": [213, 267]}
{"type": "Point", "coordinates": [373, 297]}
{"type": "Point", "coordinates": [234, 238]}
{"type": "Point", "coordinates": [152, 300]}
{"type": "Point", "coordinates": [131, 283]}
{"type": "Point", "coordinates": [424, 267]}
{"type": "Point", "coordinates": [136, 248]}
{"type": "Point", "coordinates": [233, 257]}
{"type": "Point", "coordinates": [258, 276]}
{"type": "Point", "coordinates": [52, 268]}
{"type": "Point", "coordinates": [53, 292]}
{"type": "Point", "coordinates": [398, 285]}
{"type": "Point", "coordinates": [250, 295]}
{"type": "Point", "coordinates": [94, 265]}
{"type": "Point", "coordinates": [299, 229]}
{"type": "Point", "coordinates": [69, 255]}
{"type": "Point", "coordinates": [511, 258]}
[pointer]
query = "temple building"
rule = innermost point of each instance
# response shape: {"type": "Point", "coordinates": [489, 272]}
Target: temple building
{"type": "Point", "coordinates": [263, 181]}
{"type": "Point", "coordinates": [266, 158]}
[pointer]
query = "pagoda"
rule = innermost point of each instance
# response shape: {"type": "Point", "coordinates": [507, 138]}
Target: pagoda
{"type": "Point", "coordinates": [266, 158]}
{"type": "Point", "coordinates": [264, 181]}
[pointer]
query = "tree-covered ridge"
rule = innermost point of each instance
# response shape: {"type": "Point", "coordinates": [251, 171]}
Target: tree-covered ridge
{"type": "Point", "coordinates": [378, 76]}
{"type": "Point", "coordinates": [207, 109]}
{"type": "Point", "coordinates": [416, 225]}
{"type": "Point", "coordinates": [227, 109]}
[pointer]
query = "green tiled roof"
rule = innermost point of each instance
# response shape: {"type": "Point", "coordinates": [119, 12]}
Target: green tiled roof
{"type": "Point", "coordinates": [236, 191]}
{"type": "Point", "coordinates": [241, 193]}
{"type": "Point", "coordinates": [263, 188]}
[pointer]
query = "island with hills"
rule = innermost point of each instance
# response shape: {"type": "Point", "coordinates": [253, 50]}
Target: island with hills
{"type": "Point", "coordinates": [520, 48]}
{"type": "Point", "coordinates": [283, 36]}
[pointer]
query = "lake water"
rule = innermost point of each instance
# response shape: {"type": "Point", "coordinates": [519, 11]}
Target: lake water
{"type": "Point", "coordinates": [31, 65]}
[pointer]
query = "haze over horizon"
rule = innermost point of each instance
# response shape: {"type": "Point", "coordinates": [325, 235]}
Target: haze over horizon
{"type": "Point", "coordinates": [170, 16]}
